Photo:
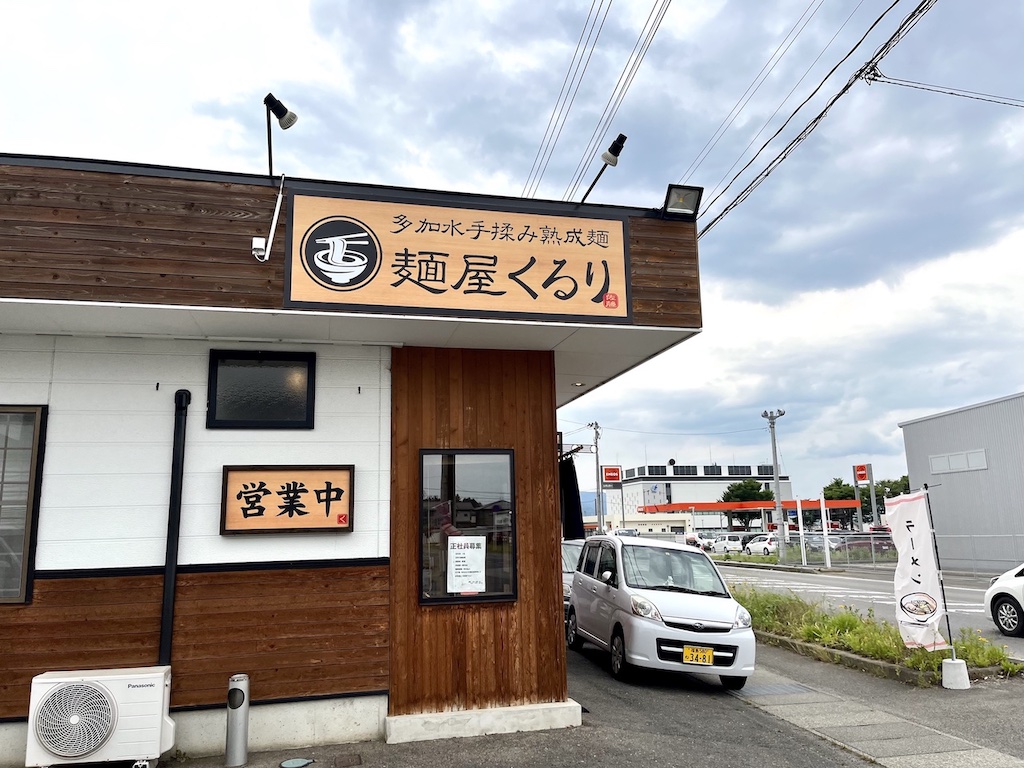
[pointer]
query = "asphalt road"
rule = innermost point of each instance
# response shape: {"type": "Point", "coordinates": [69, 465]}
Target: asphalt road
{"type": "Point", "coordinates": [866, 589]}
{"type": "Point", "coordinates": [659, 720]}
{"type": "Point", "coordinates": [665, 719]}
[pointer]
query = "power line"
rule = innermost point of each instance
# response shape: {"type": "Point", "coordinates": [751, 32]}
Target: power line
{"type": "Point", "coordinates": [751, 90]}
{"type": "Point", "coordinates": [875, 76]}
{"type": "Point", "coordinates": [561, 108]}
{"type": "Point", "coordinates": [907, 24]}
{"type": "Point", "coordinates": [684, 434]}
{"type": "Point", "coordinates": [665, 434]}
{"type": "Point", "coordinates": [792, 90]}
{"type": "Point", "coordinates": [625, 80]}
{"type": "Point", "coordinates": [803, 104]}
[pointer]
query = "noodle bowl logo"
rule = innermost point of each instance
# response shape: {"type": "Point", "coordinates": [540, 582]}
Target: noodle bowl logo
{"type": "Point", "coordinates": [341, 253]}
{"type": "Point", "coordinates": [919, 606]}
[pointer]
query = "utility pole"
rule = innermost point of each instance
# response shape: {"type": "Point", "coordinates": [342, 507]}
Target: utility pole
{"type": "Point", "coordinates": [598, 506]}
{"type": "Point", "coordinates": [780, 517]}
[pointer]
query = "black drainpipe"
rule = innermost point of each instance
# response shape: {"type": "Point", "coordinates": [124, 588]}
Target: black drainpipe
{"type": "Point", "coordinates": [181, 400]}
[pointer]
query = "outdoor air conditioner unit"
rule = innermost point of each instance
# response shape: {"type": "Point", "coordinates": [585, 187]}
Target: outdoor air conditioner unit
{"type": "Point", "coordinates": [99, 715]}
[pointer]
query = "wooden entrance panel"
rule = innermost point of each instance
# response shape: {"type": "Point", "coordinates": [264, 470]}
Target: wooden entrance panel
{"type": "Point", "coordinates": [470, 656]}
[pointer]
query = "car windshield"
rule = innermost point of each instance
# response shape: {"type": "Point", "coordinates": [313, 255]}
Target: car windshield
{"type": "Point", "coordinates": [571, 555]}
{"type": "Point", "coordinates": [674, 570]}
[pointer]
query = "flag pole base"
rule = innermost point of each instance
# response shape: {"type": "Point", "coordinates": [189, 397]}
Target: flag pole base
{"type": "Point", "coordinates": [954, 674]}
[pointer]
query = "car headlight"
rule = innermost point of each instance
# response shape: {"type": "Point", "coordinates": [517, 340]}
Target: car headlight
{"type": "Point", "coordinates": [644, 607]}
{"type": "Point", "coordinates": [993, 580]}
{"type": "Point", "coordinates": [742, 619]}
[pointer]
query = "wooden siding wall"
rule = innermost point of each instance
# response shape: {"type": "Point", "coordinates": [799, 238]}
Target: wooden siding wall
{"type": "Point", "coordinates": [664, 273]}
{"type": "Point", "coordinates": [80, 235]}
{"type": "Point", "coordinates": [84, 623]}
{"type": "Point", "coordinates": [296, 632]}
{"type": "Point", "coordinates": [470, 656]}
{"type": "Point", "coordinates": [94, 236]}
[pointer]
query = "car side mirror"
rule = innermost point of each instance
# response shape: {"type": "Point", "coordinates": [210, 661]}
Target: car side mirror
{"type": "Point", "coordinates": [607, 577]}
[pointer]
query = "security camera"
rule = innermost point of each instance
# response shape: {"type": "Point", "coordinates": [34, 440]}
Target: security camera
{"type": "Point", "coordinates": [259, 248]}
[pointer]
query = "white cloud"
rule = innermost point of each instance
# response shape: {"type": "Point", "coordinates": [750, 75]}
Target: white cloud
{"type": "Point", "coordinates": [748, 347]}
{"type": "Point", "coordinates": [873, 277]}
{"type": "Point", "coordinates": [123, 79]}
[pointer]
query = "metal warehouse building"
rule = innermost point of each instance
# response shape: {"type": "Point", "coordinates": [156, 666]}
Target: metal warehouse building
{"type": "Point", "coordinates": [972, 459]}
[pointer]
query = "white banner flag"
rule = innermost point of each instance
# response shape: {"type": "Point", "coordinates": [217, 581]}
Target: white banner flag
{"type": "Point", "coordinates": [919, 603]}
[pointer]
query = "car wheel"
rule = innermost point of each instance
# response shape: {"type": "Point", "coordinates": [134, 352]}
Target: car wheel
{"type": "Point", "coordinates": [1007, 615]}
{"type": "Point", "coordinates": [766, 551]}
{"type": "Point", "coordinates": [620, 667]}
{"type": "Point", "coordinates": [572, 635]}
{"type": "Point", "coordinates": [747, 550]}
{"type": "Point", "coordinates": [731, 683]}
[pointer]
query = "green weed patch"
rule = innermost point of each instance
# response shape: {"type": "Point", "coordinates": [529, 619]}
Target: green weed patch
{"type": "Point", "coordinates": [864, 635]}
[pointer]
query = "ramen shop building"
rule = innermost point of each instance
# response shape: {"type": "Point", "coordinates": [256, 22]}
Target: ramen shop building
{"type": "Point", "coordinates": [330, 465]}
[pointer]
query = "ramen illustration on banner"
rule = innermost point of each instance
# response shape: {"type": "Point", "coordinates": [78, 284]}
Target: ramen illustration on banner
{"type": "Point", "coordinates": [919, 605]}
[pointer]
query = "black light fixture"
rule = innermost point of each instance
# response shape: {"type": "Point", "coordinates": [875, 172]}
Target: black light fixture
{"type": "Point", "coordinates": [682, 202]}
{"type": "Point", "coordinates": [285, 118]}
{"type": "Point", "coordinates": [611, 157]}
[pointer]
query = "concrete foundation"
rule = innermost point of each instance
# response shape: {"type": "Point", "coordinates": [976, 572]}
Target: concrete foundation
{"type": "Point", "coordinates": [480, 722]}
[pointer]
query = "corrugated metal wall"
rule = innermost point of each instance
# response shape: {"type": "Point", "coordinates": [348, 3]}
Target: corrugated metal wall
{"type": "Point", "coordinates": [978, 514]}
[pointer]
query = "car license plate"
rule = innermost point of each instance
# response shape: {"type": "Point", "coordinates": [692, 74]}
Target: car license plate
{"type": "Point", "coordinates": [693, 654]}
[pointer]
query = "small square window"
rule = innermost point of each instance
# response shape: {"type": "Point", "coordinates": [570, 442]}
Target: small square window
{"type": "Point", "coordinates": [261, 390]}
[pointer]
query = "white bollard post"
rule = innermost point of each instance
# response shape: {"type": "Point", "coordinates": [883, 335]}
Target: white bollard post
{"type": "Point", "coordinates": [236, 751]}
{"type": "Point", "coordinates": [954, 674]}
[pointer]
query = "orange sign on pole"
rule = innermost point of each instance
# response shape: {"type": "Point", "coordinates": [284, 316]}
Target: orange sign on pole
{"type": "Point", "coordinates": [860, 472]}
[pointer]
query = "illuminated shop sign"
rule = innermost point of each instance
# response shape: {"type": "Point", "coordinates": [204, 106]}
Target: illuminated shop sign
{"type": "Point", "coordinates": [398, 257]}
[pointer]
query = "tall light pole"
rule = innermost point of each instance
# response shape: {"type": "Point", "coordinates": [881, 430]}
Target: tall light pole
{"type": "Point", "coordinates": [780, 518]}
{"type": "Point", "coordinates": [597, 460]}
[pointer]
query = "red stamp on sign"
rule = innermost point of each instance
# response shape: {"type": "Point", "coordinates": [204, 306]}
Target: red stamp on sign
{"type": "Point", "coordinates": [611, 301]}
{"type": "Point", "coordinates": [343, 518]}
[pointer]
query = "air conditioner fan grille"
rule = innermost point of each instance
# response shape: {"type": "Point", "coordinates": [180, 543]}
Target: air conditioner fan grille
{"type": "Point", "coordinates": [75, 719]}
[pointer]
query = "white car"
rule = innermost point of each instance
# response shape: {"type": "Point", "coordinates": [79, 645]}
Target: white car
{"type": "Point", "coordinates": [660, 605]}
{"type": "Point", "coordinates": [1003, 601]}
{"type": "Point", "coordinates": [697, 539]}
{"type": "Point", "coordinates": [726, 543]}
{"type": "Point", "coordinates": [571, 549]}
{"type": "Point", "coordinates": [762, 544]}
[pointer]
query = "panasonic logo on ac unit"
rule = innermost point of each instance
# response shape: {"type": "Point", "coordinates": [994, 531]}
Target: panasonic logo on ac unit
{"type": "Point", "coordinates": [143, 685]}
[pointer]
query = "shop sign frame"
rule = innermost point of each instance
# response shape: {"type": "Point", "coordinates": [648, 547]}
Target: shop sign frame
{"type": "Point", "coordinates": [280, 498]}
{"type": "Point", "coordinates": [478, 259]}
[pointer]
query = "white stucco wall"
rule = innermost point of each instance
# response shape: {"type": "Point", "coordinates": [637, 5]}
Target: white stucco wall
{"type": "Point", "coordinates": [106, 476]}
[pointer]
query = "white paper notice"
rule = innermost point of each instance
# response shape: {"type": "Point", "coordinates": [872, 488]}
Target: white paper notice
{"type": "Point", "coordinates": [467, 557]}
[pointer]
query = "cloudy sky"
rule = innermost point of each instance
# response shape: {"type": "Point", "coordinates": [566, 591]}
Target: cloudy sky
{"type": "Point", "coordinates": [874, 276]}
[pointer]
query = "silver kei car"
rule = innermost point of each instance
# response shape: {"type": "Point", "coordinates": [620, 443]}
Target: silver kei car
{"type": "Point", "coordinates": [658, 605]}
{"type": "Point", "coordinates": [571, 549]}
